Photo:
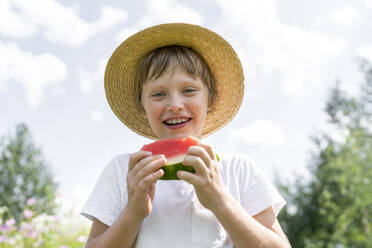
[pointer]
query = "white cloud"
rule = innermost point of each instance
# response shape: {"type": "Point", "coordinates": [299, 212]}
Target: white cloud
{"type": "Point", "coordinates": [296, 55]}
{"type": "Point", "coordinates": [110, 17]}
{"type": "Point", "coordinates": [368, 3]}
{"type": "Point", "coordinates": [88, 79]}
{"type": "Point", "coordinates": [365, 52]}
{"type": "Point", "coordinates": [3, 86]}
{"type": "Point", "coordinates": [162, 11]}
{"type": "Point", "coordinates": [34, 71]}
{"type": "Point", "coordinates": [344, 16]}
{"type": "Point", "coordinates": [126, 32]}
{"type": "Point", "coordinates": [169, 11]}
{"type": "Point", "coordinates": [59, 23]}
{"type": "Point", "coordinates": [59, 91]}
{"type": "Point", "coordinates": [96, 116]}
{"type": "Point", "coordinates": [17, 25]}
{"type": "Point", "coordinates": [260, 132]}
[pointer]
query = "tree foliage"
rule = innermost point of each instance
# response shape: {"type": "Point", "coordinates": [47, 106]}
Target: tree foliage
{"type": "Point", "coordinates": [24, 175]}
{"type": "Point", "coordinates": [334, 207]}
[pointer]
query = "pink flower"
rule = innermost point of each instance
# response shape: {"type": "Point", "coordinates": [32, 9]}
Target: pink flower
{"type": "Point", "coordinates": [4, 228]}
{"type": "Point", "coordinates": [27, 213]}
{"type": "Point", "coordinates": [31, 201]}
{"type": "Point", "coordinates": [33, 234]}
{"type": "Point", "coordinates": [63, 246]}
{"type": "Point", "coordinates": [82, 239]}
{"type": "Point", "coordinates": [27, 227]}
{"type": "Point", "coordinates": [3, 238]}
{"type": "Point", "coordinates": [10, 222]}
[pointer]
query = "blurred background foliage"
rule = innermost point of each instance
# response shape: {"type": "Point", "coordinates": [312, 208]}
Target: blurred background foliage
{"type": "Point", "coordinates": [333, 208]}
{"type": "Point", "coordinates": [28, 206]}
{"type": "Point", "coordinates": [24, 174]}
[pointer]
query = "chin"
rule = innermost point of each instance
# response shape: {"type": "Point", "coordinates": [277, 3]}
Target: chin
{"type": "Point", "coordinates": [177, 136]}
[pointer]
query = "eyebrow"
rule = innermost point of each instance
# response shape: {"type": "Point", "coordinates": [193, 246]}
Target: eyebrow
{"type": "Point", "coordinates": [189, 81]}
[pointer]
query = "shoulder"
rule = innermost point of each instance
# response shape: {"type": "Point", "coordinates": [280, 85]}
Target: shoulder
{"type": "Point", "coordinates": [236, 161]}
{"type": "Point", "coordinates": [240, 166]}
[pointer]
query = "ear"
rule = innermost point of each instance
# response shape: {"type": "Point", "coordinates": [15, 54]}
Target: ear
{"type": "Point", "coordinates": [141, 110]}
{"type": "Point", "coordinates": [210, 106]}
{"type": "Point", "coordinates": [143, 114]}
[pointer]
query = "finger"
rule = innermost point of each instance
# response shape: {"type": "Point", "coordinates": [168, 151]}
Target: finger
{"type": "Point", "coordinates": [143, 162]}
{"type": "Point", "coordinates": [188, 177]}
{"type": "Point", "coordinates": [150, 167]}
{"type": "Point", "coordinates": [150, 179]}
{"type": "Point", "coordinates": [196, 162]}
{"type": "Point", "coordinates": [137, 156]}
{"type": "Point", "coordinates": [209, 150]}
{"type": "Point", "coordinates": [200, 152]}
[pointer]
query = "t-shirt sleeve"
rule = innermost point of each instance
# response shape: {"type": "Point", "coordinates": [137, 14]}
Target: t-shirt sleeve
{"type": "Point", "coordinates": [257, 191]}
{"type": "Point", "coordinates": [105, 201]}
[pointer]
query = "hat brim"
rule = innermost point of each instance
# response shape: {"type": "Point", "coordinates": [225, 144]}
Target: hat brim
{"type": "Point", "coordinates": [224, 64]}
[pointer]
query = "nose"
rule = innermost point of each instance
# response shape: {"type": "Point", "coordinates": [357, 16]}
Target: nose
{"type": "Point", "coordinates": [175, 104]}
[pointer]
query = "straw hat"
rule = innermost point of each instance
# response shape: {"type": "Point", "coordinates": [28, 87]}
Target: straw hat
{"type": "Point", "coordinates": [222, 60]}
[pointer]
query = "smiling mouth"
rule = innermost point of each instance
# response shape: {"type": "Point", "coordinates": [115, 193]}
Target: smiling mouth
{"type": "Point", "coordinates": [176, 122]}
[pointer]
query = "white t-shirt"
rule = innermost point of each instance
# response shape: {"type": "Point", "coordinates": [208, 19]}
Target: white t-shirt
{"type": "Point", "coordinates": [177, 218]}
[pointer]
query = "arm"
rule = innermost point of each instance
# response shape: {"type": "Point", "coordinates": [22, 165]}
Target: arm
{"type": "Point", "coordinates": [117, 235]}
{"type": "Point", "coordinates": [263, 230]}
{"type": "Point", "coordinates": [143, 172]}
{"type": "Point", "coordinates": [268, 218]}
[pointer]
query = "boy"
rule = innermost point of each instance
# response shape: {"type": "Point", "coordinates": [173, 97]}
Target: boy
{"type": "Point", "coordinates": [166, 82]}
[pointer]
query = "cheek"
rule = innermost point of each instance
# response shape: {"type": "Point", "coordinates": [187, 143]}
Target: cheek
{"type": "Point", "coordinates": [201, 110]}
{"type": "Point", "coordinates": [153, 110]}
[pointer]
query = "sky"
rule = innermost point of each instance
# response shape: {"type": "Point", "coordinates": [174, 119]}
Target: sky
{"type": "Point", "coordinates": [53, 55]}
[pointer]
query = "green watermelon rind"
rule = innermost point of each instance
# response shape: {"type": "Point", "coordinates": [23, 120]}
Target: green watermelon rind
{"type": "Point", "coordinates": [170, 171]}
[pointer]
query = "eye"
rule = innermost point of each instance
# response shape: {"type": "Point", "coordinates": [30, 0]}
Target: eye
{"type": "Point", "coordinates": [189, 91]}
{"type": "Point", "coordinates": [158, 94]}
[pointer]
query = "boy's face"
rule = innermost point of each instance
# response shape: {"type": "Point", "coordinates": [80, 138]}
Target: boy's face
{"type": "Point", "coordinates": [176, 105]}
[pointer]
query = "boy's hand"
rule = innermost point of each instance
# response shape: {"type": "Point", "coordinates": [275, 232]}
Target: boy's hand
{"type": "Point", "coordinates": [207, 180]}
{"type": "Point", "coordinates": [144, 170]}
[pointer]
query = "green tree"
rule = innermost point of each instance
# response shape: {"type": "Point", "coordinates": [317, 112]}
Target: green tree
{"type": "Point", "coordinates": [333, 208]}
{"type": "Point", "coordinates": [24, 175]}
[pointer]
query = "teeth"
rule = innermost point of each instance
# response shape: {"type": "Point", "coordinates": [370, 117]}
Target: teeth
{"type": "Point", "coordinates": [176, 121]}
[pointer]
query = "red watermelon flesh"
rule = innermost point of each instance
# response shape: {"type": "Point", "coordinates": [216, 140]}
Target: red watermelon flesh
{"type": "Point", "coordinates": [174, 151]}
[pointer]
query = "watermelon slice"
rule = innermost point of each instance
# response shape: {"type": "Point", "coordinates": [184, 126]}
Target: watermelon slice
{"type": "Point", "coordinates": [174, 151]}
